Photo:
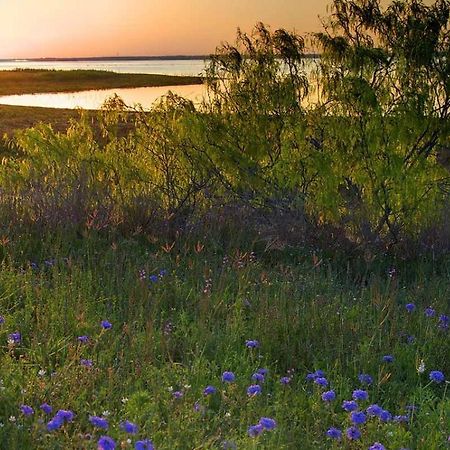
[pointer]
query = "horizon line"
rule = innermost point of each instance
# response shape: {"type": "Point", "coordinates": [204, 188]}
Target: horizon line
{"type": "Point", "coordinates": [120, 58]}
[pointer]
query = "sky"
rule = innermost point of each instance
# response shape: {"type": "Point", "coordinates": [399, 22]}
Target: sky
{"type": "Point", "coordinates": [77, 28]}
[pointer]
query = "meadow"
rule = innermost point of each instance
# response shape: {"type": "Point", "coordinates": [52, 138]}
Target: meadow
{"type": "Point", "coordinates": [257, 272]}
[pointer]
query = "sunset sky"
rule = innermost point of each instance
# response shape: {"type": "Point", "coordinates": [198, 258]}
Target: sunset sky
{"type": "Point", "coordinates": [74, 28]}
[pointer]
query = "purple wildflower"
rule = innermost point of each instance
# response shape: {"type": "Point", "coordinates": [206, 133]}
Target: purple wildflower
{"type": "Point", "coordinates": [86, 362]}
{"type": "Point", "coordinates": [27, 410]}
{"type": "Point", "coordinates": [437, 376]}
{"type": "Point", "coordinates": [430, 312]}
{"type": "Point", "coordinates": [254, 389]}
{"type": "Point", "coordinates": [385, 416]}
{"type": "Point", "coordinates": [106, 443]}
{"type": "Point", "coordinates": [46, 408]}
{"type": "Point", "coordinates": [252, 344]}
{"type": "Point", "coordinates": [334, 433]}
{"type": "Point", "coordinates": [361, 395]}
{"type": "Point", "coordinates": [364, 378]}
{"type": "Point", "coordinates": [374, 410]}
{"type": "Point", "coordinates": [388, 359]}
{"type": "Point", "coordinates": [255, 430]}
{"type": "Point", "coordinates": [83, 339]}
{"type": "Point", "coordinates": [209, 390]}
{"type": "Point", "coordinates": [106, 325]}
{"type": "Point", "coordinates": [377, 446]}
{"type": "Point", "coordinates": [410, 307]}
{"type": "Point", "coordinates": [329, 396]}
{"type": "Point", "coordinates": [146, 444]}
{"type": "Point", "coordinates": [99, 422]}
{"type": "Point", "coordinates": [358, 417]}
{"type": "Point", "coordinates": [129, 427]}
{"type": "Point", "coordinates": [285, 380]}
{"type": "Point", "coordinates": [353, 433]}
{"type": "Point", "coordinates": [349, 405]}
{"type": "Point", "coordinates": [258, 377]}
{"type": "Point", "coordinates": [228, 377]}
{"type": "Point", "coordinates": [14, 338]}
{"type": "Point", "coordinates": [267, 423]}
{"type": "Point", "coordinates": [177, 394]}
{"type": "Point", "coordinates": [321, 381]}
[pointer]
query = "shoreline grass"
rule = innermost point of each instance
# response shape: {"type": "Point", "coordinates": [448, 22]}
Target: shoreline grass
{"type": "Point", "coordinates": [30, 81]}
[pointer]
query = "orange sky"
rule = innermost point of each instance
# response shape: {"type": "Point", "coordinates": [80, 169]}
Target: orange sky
{"type": "Point", "coordinates": [70, 28]}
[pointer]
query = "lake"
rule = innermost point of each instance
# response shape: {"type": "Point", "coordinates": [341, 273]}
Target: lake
{"type": "Point", "coordinates": [192, 67]}
{"type": "Point", "coordinates": [94, 99]}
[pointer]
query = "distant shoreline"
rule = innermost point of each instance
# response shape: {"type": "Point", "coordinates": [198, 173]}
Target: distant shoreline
{"type": "Point", "coordinates": [33, 81]}
{"type": "Point", "coordinates": [126, 58]}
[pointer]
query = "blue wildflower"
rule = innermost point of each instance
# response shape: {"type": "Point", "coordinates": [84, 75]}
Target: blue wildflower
{"type": "Point", "coordinates": [129, 427]}
{"type": "Point", "coordinates": [358, 417]}
{"type": "Point", "coordinates": [361, 395]}
{"type": "Point", "coordinates": [401, 418]}
{"type": "Point", "coordinates": [255, 430]}
{"type": "Point", "coordinates": [437, 376]}
{"type": "Point", "coordinates": [254, 389]}
{"type": "Point", "coordinates": [329, 396]}
{"type": "Point", "coordinates": [153, 278]}
{"type": "Point", "coordinates": [353, 433]}
{"type": "Point", "coordinates": [334, 433]}
{"type": "Point", "coordinates": [228, 377]}
{"type": "Point", "coordinates": [14, 338]}
{"type": "Point", "coordinates": [388, 359]}
{"type": "Point", "coordinates": [86, 362]}
{"type": "Point", "coordinates": [364, 378]}
{"type": "Point", "coordinates": [2, 320]}
{"type": "Point", "coordinates": [263, 371]}
{"type": "Point", "coordinates": [209, 390]}
{"type": "Point", "coordinates": [147, 444]}
{"type": "Point", "coordinates": [374, 410]}
{"type": "Point", "coordinates": [321, 381]}
{"type": "Point", "coordinates": [385, 416]}
{"type": "Point", "coordinates": [349, 405]}
{"type": "Point", "coordinates": [252, 344]}
{"type": "Point", "coordinates": [285, 380]}
{"type": "Point", "coordinates": [106, 325]}
{"type": "Point", "coordinates": [99, 422]}
{"type": "Point", "coordinates": [65, 415]}
{"type": "Point", "coordinates": [410, 307]}
{"type": "Point", "coordinates": [443, 322]}
{"type": "Point", "coordinates": [267, 423]}
{"type": "Point", "coordinates": [430, 312]}
{"type": "Point", "coordinates": [46, 408]}
{"type": "Point", "coordinates": [56, 423]}
{"type": "Point", "coordinates": [377, 446]}
{"type": "Point", "coordinates": [258, 377]}
{"type": "Point", "coordinates": [177, 394]}
{"type": "Point", "coordinates": [83, 339]}
{"type": "Point", "coordinates": [106, 443]}
{"type": "Point", "coordinates": [27, 410]}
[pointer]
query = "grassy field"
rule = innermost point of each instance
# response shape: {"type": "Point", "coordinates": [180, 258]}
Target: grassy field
{"type": "Point", "coordinates": [40, 81]}
{"type": "Point", "coordinates": [116, 330]}
{"type": "Point", "coordinates": [19, 117]}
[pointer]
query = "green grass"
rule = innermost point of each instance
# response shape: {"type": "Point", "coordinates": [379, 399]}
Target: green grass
{"type": "Point", "coordinates": [13, 118]}
{"type": "Point", "coordinates": [183, 331]}
{"type": "Point", "coordinates": [40, 81]}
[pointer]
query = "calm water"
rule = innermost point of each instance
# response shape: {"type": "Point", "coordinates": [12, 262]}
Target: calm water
{"type": "Point", "coordinates": [144, 96]}
{"type": "Point", "coordinates": [164, 67]}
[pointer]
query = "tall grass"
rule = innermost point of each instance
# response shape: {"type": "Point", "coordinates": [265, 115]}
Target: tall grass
{"type": "Point", "coordinates": [180, 318]}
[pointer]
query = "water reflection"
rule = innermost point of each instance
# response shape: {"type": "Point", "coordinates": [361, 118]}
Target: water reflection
{"type": "Point", "coordinates": [145, 96]}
